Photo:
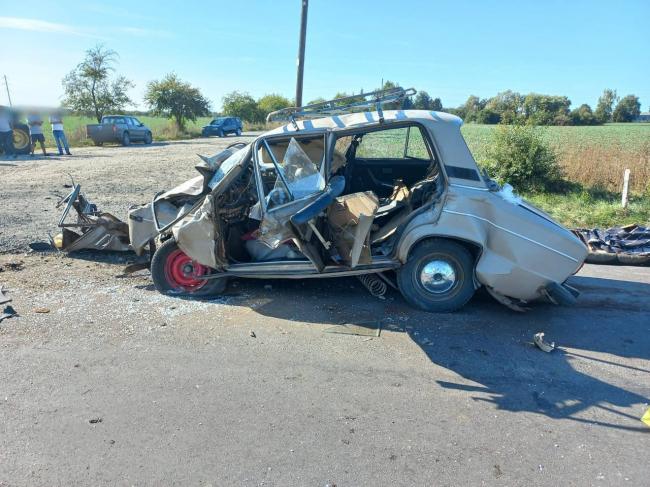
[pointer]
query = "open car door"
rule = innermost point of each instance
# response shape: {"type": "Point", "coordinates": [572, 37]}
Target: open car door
{"type": "Point", "coordinates": [294, 193]}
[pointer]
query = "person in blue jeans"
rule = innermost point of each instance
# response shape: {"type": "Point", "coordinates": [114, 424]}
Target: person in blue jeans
{"type": "Point", "coordinates": [59, 135]}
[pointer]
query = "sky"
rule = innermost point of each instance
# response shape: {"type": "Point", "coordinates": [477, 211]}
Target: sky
{"type": "Point", "coordinates": [451, 49]}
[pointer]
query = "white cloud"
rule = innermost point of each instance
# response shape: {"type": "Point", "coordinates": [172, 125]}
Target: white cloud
{"type": "Point", "coordinates": [40, 26]}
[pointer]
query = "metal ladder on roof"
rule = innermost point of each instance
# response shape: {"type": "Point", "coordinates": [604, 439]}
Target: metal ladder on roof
{"type": "Point", "coordinates": [339, 106]}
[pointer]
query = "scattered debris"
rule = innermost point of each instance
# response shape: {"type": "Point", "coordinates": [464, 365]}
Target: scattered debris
{"type": "Point", "coordinates": [41, 246]}
{"type": "Point", "coordinates": [13, 266]}
{"type": "Point", "coordinates": [42, 310]}
{"type": "Point", "coordinates": [3, 297]}
{"type": "Point", "coordinates": [95, 420]}
{"type": "Point", "coordinates": [646, 418]}
{"type": "Point", "coordinates": [538, 338]}
{"type": "Point", "coordinates": [8, 312]}
{"type": "Point", "coordinates": [95, 229]}
{"type": "Point", "coordinates": [628, 245]}
{"type": "Point", "coordinates": [252, 334]}
{"type": "Point", "coordinates": [135, 267]}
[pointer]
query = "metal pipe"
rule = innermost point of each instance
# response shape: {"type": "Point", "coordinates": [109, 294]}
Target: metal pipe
{"type": "Point", "coordinates": [301, 52]}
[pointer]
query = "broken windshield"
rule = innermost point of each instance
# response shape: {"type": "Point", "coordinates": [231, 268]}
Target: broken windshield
{"type": "Point", "coordinates": [299, 175]}
{"type": "Point", "coordinates": [227, 166]}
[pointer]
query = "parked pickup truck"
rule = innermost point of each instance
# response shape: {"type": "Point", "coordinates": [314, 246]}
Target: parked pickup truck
{"type": "Point", "coordinates": [119, 128]}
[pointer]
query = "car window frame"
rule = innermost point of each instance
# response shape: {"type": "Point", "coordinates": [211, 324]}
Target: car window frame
{"type": "Point", "coordinates": [288, 136]}
{"type": "Point", "coordinates": [430, 143]}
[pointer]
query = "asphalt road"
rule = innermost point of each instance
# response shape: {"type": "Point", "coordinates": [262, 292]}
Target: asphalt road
{"type": "Point", "coordinates": [105, 382]}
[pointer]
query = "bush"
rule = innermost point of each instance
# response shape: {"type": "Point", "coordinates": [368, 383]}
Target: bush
{"type": "Point", "coordinates": [520, 156]}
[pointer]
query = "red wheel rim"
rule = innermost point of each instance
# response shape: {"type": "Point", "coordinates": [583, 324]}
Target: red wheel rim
{"type": "Point", "coordinates": [181, 272]}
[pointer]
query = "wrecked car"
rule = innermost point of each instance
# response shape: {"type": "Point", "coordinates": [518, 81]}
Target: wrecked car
{"type": "Point", "coordinates": [390, 194]}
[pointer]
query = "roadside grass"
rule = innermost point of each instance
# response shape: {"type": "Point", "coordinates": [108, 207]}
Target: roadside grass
{"type": "Point", "coordinates": [592, 208]}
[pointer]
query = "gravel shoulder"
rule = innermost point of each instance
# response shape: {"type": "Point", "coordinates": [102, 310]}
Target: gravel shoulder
{"type": "Point", "coordinates": [106, 382]}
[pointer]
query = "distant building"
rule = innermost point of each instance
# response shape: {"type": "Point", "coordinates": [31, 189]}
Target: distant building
{"type": "Point", "coordinates": [643, 117]}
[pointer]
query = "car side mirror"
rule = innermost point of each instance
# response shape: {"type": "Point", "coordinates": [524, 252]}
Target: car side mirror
{"type": "Point", "coordinates": [140, 124]}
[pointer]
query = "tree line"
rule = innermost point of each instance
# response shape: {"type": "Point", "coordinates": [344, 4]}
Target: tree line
{"type": "Point", "coordinates": [92, 87]}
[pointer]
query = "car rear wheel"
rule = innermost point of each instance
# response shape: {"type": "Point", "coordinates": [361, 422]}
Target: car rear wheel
{"type": "Point", "coordinates": [238, 132]}
{"type": "Point", "coordinates": [438, 276]}
{"type": "Point", "coordinates": [174, 272]}
{"type": "Point", "coordinates": [126, 140]}
{"type": "Point", "coordinates": [148, 139]}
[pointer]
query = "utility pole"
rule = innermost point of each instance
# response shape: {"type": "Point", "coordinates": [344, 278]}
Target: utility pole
{"type": "Point", "coordinates": [301, 52]}
{"type": "Point", "coordinates": [7, 86]}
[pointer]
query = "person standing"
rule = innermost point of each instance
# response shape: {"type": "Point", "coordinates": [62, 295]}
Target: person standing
{"type": "Point", "coordinates": [6, 133]}
{"type": "Point", "coordinates": [59, 135]}
{"type": "Point", "coordinates": [35, 123]}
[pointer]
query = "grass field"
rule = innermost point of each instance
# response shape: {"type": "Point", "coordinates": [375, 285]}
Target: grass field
{"type": "Point", "coordinates": [592, 157]}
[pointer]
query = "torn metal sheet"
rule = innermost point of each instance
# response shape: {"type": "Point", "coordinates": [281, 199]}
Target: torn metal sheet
{"type": "Point", "coordinates": [539, 341]}
{"type": "Point", "coordinates": [92, 229]}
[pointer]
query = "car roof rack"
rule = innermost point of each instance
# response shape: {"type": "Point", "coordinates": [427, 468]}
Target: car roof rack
{"type": "Point", "coordinates": [339, 106]}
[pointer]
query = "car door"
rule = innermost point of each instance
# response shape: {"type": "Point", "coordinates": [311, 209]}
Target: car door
{"type": "Point", "coordinates": [136, 128]}
{"type": "Point", "coordinates": [291, 180]}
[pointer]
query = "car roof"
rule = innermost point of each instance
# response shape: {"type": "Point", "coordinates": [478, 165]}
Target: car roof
{"type": "Point", "coordinates": [367, 119]}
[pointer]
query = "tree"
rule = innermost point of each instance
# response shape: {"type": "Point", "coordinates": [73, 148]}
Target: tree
{"type": "Point", "coordinates": [627, 109]}
{"type": "Point", "coordinates": [424, 102]}
{"type": "Point", "coordinates": [605, 105]}
{"type": "Point", "coordinates": [508, 104]}
{"type": "Point", "coordinates": [172, 97]}
{"type": "Point", "coordinates": [546, 110]}
{"type": "Point", "coordinates": [271, 103]}
{"type": "Point", "coordinates": [242, 105]}
{"type": "Point", "coordinates": [88, 89]}
{"type": "Point", "coordinates": [472, 107]}
{"type": "Point", "coordinates": [583, 115]}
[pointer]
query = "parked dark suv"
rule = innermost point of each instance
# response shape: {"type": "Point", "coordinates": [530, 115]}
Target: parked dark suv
{"type": "Point", "coordinates": [223, 126]}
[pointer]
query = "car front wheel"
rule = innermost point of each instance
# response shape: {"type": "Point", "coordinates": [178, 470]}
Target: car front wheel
{"type": "Point", "coordinates": [174, 272]}
{"type": "Point", "coordinates": [126, 140]}
{"type": "Point", "coordinates": [148, 139]}
{"type": "Point", "coordinates": [438, 276]}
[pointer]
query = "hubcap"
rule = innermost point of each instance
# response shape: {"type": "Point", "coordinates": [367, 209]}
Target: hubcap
{"type": "Point", "coordinates": [438, 276]}
{"type": "Point", "coordinates": [182, 272]}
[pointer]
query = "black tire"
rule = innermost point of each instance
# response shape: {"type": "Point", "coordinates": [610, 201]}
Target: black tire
{"type": "Point", "coordinates": [148, 138]}
{"type": "Point", "coordinates": [126, 139]}
{"type": "Point", "coordinates": [238, 132]}
{"type": "Point", "coordinates": [449, 286]}
{"type": "Point", "coordinates": [164, 282]}
{"type": "Point", "coordinates": [222, 133]}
